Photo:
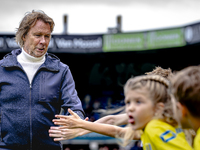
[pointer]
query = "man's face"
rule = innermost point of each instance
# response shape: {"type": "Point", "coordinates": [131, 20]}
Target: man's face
{"type": "Point", "coordinates": [37, 39]}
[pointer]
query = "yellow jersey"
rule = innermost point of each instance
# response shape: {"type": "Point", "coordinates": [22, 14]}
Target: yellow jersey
{"type": "Point", "coordinates": [197, 140]}
{"type": "Point", "coordinates": [159, 135]}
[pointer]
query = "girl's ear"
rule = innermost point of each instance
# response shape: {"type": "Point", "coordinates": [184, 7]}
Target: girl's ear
{"type": "Point", "coordinates": [159, 109]}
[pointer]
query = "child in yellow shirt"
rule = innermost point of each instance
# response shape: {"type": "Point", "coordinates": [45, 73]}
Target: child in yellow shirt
{"type": "Point", "coordinates": [186, 89]}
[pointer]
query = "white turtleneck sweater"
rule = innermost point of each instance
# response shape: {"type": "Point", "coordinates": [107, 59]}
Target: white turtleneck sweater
{"type": "Point", "coordinates": [30, 64]}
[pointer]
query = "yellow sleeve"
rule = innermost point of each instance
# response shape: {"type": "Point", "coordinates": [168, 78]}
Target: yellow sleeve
{"type": "Point", "coordinates": [197, 141]}
{"type": "Point", "coordinates": [159, 136]}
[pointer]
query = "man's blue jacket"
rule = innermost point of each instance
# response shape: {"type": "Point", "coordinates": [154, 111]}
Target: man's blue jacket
{"type": "Point", "coordinates": [27, 110]}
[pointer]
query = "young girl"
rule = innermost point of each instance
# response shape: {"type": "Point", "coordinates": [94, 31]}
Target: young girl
{"type": "Point", "coordinates": [117, 119]}
{"type": "Point", "coordinates": [149, 109]}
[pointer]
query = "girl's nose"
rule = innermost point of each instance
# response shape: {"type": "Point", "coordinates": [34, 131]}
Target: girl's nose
{"type": "Point", "coordinates": [131, 107]}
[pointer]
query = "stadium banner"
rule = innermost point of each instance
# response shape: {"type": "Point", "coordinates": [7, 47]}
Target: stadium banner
{"type": "Point", "coordinates": [123, 42]}
{"type": "Point", "coordinates": [192, 34]}
{"type": "Point", "coordinates": [60, 43]}
{"type": "Point", "coordinates": [76, 43]}
{"type": "Point", "coordinates": [7, 43]}
{"type": "Point", "coordinates": [165, 38]}
{"type": "Point", "coordinates": [120, 42]}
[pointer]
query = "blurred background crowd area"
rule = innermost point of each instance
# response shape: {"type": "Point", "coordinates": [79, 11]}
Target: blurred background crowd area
{"type": "Point", "coordinates": [136, 145]}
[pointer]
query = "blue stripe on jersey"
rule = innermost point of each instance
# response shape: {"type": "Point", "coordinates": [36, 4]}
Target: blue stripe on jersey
{"type": "Point", "coordinates": [167, 133]}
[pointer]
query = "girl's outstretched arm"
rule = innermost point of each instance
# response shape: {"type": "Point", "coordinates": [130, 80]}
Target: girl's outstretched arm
{"type": "Point", "coordinates": [74, 121]}
{"type": "Point", "coordinates": [65, 134]}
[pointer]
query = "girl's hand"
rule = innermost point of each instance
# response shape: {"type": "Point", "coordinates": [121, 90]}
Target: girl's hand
{"type": "Point", "coordinates": [70, 122]}
{"type": "Point", "coordinates": [64, 133]}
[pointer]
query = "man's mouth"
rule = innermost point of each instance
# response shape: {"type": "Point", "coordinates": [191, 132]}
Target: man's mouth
{"type": "Point", "coordinates": [41, 49]}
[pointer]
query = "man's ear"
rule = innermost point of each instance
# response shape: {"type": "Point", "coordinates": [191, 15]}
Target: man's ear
{"type": "Point", "coordinates": [24, 38]}
{"type": "Point", "coordinates": [182, 108]}
{"type": "Point", "coordinates": [159, 108]}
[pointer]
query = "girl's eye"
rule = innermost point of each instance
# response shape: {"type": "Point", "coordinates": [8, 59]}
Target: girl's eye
{"type": "Point", "coordinates": [138, 101]}
{"type": "Point", "coordinates": [127, 103]}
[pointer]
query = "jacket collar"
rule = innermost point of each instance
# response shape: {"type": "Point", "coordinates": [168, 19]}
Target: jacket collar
{"type": "Point", "coordinates": [51, 62]}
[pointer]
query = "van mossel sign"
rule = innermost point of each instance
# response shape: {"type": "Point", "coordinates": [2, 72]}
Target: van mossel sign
{"type": "Point", "coordinates": [76, 44]}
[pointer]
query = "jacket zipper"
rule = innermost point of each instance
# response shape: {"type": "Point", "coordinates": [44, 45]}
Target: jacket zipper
{"type": "Point", "coordinates": [31, 132]}
{"type": "Point", "coordinates": [30, 86]}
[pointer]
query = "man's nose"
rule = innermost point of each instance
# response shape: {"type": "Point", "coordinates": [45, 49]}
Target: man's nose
{"type": "Point", "coordinates": [42, 40]}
